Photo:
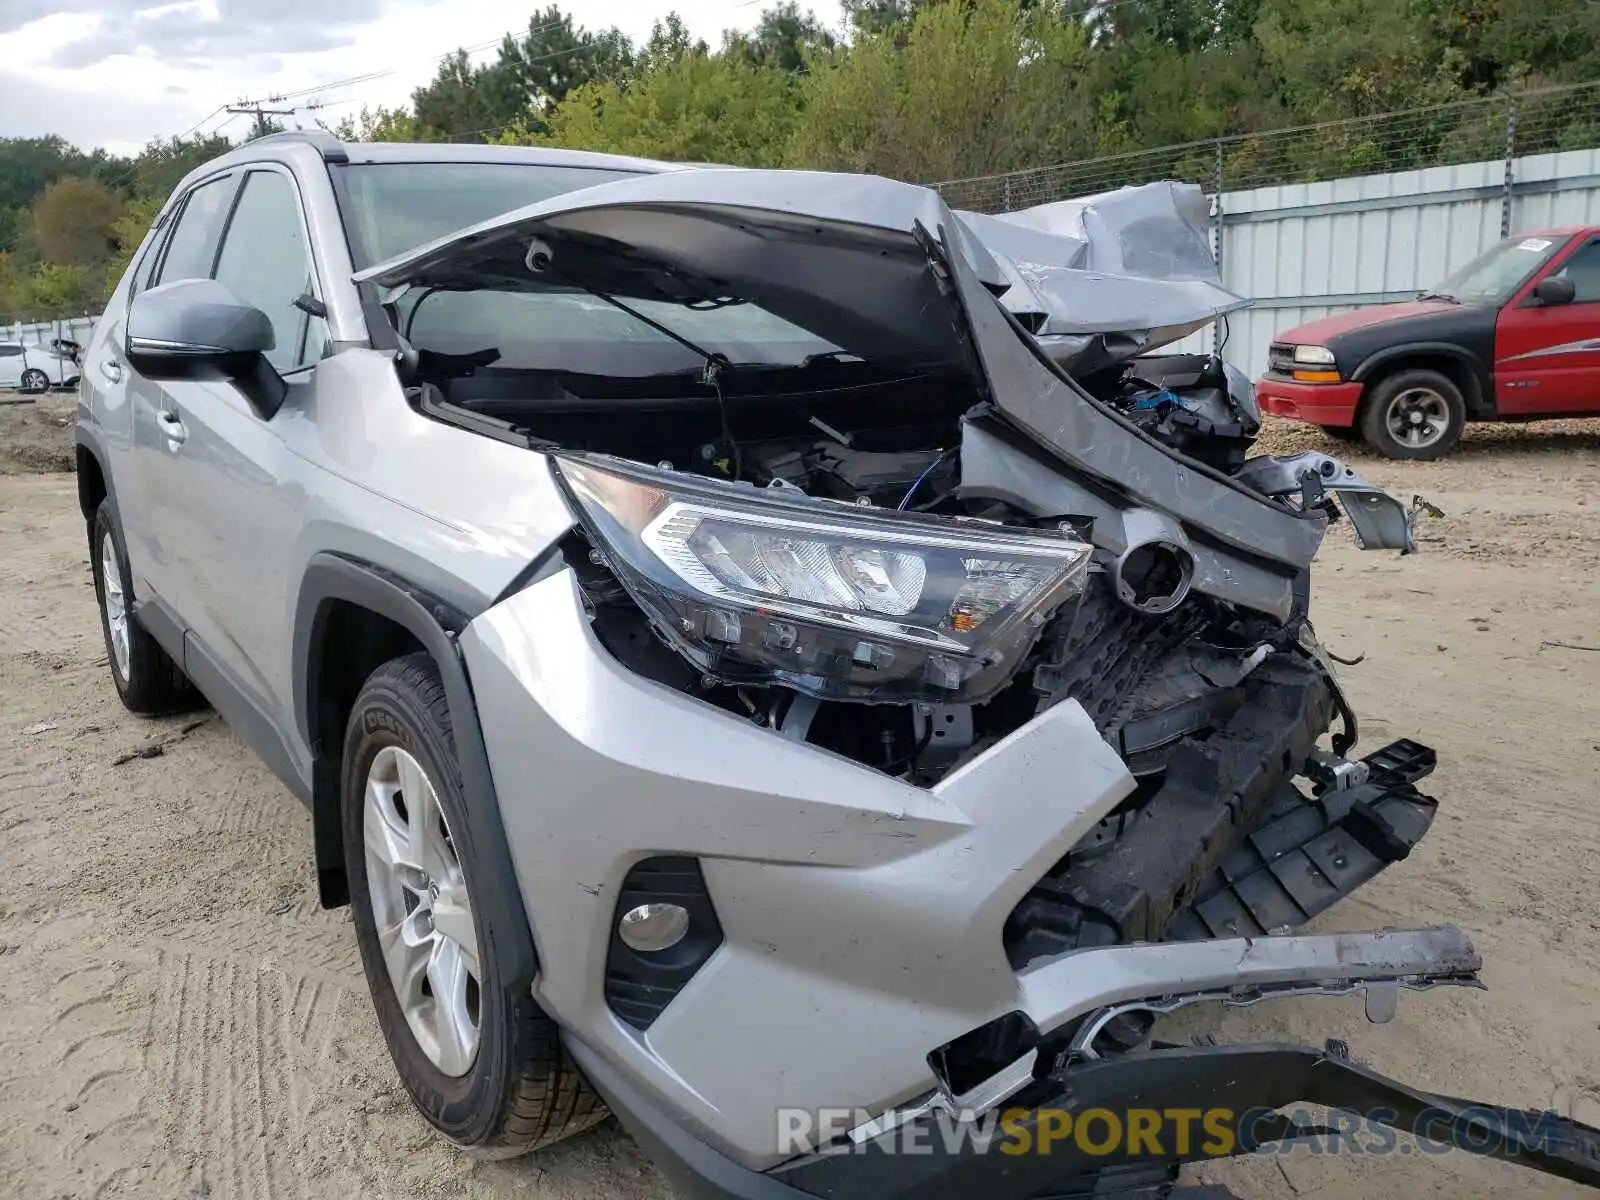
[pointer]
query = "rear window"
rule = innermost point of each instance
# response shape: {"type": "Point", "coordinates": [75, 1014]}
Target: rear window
{"type": "Point", "coordinates": [397, 207]}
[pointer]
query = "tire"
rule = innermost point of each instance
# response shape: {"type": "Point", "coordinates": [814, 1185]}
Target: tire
{"type": "Point", "coordinates": [147, 680]}
{"type": "Point", "coordinates": [1342, 433]}
{"type": "Point", "coordinates": [1418, 400]}
{"type": "Point", "coordinates": [34, 381]}
{"type": "Point", "coordinates": [517, 1089]}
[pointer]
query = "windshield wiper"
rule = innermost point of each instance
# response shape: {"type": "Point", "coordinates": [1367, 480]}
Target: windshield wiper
{"type": "Point", "coordinates": [1445, 296]}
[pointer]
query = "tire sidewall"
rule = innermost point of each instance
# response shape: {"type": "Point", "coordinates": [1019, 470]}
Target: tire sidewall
{"type": "Point", "coordinates": [106, 525]}
{"type": "Point", "coordinates": [467, 1109]}
{"type": "Point", "coordinates": [31, 381]}
{"type": "Point", "coordinates": [1375, 426]}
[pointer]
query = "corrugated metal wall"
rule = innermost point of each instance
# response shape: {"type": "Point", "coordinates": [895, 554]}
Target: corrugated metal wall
{"type": "Point", "coordinates": [1305, 250]}
{"type": "Point", "coordinates": [43, 333]}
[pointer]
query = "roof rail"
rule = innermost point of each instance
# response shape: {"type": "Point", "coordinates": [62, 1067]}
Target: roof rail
{"type": "Point", "coordinates": [331, 148]}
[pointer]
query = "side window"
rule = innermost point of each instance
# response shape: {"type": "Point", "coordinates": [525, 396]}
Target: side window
{"type": "Point", "coordinates": [1583, 268]}
{"type": "Point", "coordinates": [265, 262]}
{"type": "Point", "coordinates": [190, 247]}
{"type": "Point", "coordinates": [10, 351]}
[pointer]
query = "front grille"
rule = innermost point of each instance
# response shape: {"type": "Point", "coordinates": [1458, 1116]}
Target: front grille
{"type": "Point", "coordinates": [1280, 359]}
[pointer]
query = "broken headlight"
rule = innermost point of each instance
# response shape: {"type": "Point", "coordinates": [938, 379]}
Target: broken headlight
{"type": "Point", "coordinates": [831, 599]}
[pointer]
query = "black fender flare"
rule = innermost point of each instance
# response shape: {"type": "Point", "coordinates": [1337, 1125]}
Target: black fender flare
{"type": "Point", "coordinates": [84, 438]}
{"type": "Point", "coordinates": [497, 899]}
{"type": "Point", "coordinates": [1479, 397]}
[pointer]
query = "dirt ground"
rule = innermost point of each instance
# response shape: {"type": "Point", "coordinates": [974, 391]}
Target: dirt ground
{"type": "Point", "coordinates": [178, 1019]}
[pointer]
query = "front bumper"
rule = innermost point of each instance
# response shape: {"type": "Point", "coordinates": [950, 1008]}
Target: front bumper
{"type": "Point", "coordinates": [1318, 403]}
{"type": "Point", "coordinates": [861, 927]}
{"type": "Point", "coordinates": [860, 920]}
{"type": "Point", "coordinates": [1194, 1103]}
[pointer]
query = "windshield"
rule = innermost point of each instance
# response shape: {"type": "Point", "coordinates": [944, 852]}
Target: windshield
{"type": "Point", "coordinates": [569, 330]}
{"type": "Point", "coordinates": [396, 207]}
{"type": "Point", "coordinates": [1495, 274]}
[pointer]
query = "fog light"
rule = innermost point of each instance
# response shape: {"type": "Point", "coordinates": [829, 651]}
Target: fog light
{"type": "Point", "coordinates": [652, 927]}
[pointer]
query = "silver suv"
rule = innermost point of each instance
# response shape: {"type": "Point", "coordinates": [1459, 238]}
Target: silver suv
{"type": "Point", "coordinates": [759, 648]}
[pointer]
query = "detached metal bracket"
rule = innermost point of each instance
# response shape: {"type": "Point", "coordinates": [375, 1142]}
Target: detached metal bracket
{"type": "Point", "coordinates": [1240, 1088]}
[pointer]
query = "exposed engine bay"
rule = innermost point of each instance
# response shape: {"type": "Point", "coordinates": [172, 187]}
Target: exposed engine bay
{"type": "Point", "coordinates": [962, 504]}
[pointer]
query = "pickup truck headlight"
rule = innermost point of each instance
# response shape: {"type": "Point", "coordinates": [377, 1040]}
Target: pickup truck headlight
{"type": "Point", "coordinates": [1316, 356]}
{"type": "Point", "coordinates": [759, 586]}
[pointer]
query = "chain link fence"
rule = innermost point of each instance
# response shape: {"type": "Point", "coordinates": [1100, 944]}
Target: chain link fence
{"type": "Point", "coordinates": [1494, 127]}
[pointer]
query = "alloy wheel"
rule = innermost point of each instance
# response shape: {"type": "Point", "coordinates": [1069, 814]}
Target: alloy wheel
{"type": "Point", "coordinates": [422, 911]}
{"type": "Point", "coordinates": [115, 603]}
{"type": "Point", "coordinates": [1417, 418]}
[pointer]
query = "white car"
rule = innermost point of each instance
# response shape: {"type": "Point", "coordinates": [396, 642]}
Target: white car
{"type": "Point", "coordinates": [35, 368]}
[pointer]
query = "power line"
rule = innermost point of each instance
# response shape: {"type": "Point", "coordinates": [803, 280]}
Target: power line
{"type": "Point", "coordinates": [373, 76]}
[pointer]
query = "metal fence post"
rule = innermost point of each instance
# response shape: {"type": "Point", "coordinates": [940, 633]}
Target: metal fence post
{"type": "Point", "coordinates": [1511, 174]}
{"type": "Point", "coordinates": [1006, 198]}
{"type": "Point", "coordinates": [1216, 241]}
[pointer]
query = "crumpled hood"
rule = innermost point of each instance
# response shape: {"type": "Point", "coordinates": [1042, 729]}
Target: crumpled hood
{"type": "Point", "coordinates": [834, 253]}
{"type": "Point", "coordinates": [879, 268]}
{"type": "Point", "coordinates": [1135, 262]}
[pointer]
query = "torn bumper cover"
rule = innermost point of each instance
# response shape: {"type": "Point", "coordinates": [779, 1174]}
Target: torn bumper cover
{"type": "Point", "coordinates": [1188, 1102]}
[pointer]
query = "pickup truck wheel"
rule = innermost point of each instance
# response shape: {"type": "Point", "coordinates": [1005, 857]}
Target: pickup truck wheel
{"type": "Point", "coordinates": [481, 1061]}
{"type": "Point", "coordinates": [147, 679]}
{"type": "Point", "coordinates": [1416, 414]}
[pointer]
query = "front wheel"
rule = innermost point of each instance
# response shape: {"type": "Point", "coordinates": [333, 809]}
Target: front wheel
{"type": "Point", "coordinates": [35, 381]}
{"type": "Point", "coordinates": [148, 681]}
{"type": "Point", "coordinates": [479, 1058]}
{"type": "Point", "coordinates": [1417, 414]}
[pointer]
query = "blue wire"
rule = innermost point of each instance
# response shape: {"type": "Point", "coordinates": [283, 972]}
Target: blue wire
{"type": "Point", "coordinates": [928, 470]}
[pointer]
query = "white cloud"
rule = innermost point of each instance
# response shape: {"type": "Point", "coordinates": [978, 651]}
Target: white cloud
{"type": "Point", "coordinates": [139, 69]}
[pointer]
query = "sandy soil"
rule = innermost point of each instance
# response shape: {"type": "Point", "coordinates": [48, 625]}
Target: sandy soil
{"type": "Point", "coordinates": [36, 433]}
{"type": "Point", "coordinates": [181, 1020]}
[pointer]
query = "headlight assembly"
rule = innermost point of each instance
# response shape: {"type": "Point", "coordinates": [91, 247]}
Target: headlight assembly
{"type": "Point", "coordinates": [1315, 356]}
{"type": "Point", "coordinates": [758, 586]}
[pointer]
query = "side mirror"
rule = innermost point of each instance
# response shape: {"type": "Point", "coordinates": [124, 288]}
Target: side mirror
{"type": "Point", "coordinates": [198, 329]}
{"type": "Point", "coordinates": [1555, 289]}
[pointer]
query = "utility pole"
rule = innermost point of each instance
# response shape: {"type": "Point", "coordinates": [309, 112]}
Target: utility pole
{"type": "Point", "coordinates": [253, 108]}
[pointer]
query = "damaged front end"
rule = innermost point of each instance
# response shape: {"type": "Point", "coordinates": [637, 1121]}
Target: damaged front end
{"type": "Point", "coordinates": [844, 466]}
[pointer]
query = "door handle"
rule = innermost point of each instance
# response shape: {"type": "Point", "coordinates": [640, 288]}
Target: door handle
{"type": "Point", "coordinates": [172, 427]}
{"type": "Point", "coordinates": [111, 370]}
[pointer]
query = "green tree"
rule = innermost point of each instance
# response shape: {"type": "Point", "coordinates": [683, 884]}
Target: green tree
{"type": "Point", "coordinates": [163, 163]}
{"type": "Point", "coordinates": [1345, 58]}
{"type": "Point", "coordinates": [669, 41]}
{"type": "Point", "coordinates": [12, 298]}
{"type": "Point", "coordinates": [455, 105]}
{"type": "Point", "coordinates": [698, 107]}
{"type": "Point", "coordinates": [60, 290]}
{"type": "Point", "coordinates": [378, 124]}
{"type": "Point", "coordinates": [538, 71]}
{"type": "Point", "coordinates": [127, 233]}
{"type": "Point", "coordinates": [73, 220]}
{"type": "Point", "coordinates": [974, 87]}
{"type": "Point", "coordinates": [784, 37]}
{"type": "Point", "coordinates": [29, 165]}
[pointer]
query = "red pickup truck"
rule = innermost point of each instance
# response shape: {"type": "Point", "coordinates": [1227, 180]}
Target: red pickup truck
{"type": "Point", "coordinates": [1512, 336]}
